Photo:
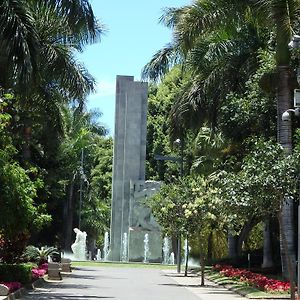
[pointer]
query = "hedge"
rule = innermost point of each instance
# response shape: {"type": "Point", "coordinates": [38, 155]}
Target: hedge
{"type": "Point", "coordinates": [13, 272]}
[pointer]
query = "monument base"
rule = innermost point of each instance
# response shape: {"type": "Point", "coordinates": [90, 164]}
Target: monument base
{"type": "Point", "coordinates": [137, 246]}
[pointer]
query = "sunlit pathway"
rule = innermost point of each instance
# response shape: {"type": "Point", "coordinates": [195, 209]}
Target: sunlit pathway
{"type": "Point", "coordinates": [121, 284]}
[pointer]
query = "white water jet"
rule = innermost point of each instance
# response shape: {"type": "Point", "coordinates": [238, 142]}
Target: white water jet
{"type": "Point", "coordinates": [106, 246]}
{"type": "Point", "coordinates": [172, 259]}
{"type": "Point", "coordinates": [98, 255]}
{"type": "Point", "coordinates": [146, 248]}
{"type": "Point", "coordinates": [125, 248]}
{"type": "Point", "coordinates": [166, 251]}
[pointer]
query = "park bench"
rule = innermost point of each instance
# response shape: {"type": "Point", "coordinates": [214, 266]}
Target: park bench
{"type": "Point", "coordinates": [66, 264]}
{"type": "Point", "coordinates": [54, 270]}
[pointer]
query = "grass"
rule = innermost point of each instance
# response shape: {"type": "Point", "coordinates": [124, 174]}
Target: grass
{"type": "Point", "coordinates": [241, 287]}
{"type": "Point", "coordinates": [119, 265]}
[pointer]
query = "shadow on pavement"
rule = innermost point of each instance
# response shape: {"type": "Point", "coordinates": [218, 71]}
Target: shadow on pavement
{"type": "Point", "coordinates": [60, 296]}
{"type": "Point", "coordinates": [196, 286]}
{"type": "Point", "coordinates": [72, 286]}
{"type": "Point", "coordinates": [81, 276]}
{"type": "Point", "coordinates": [180, 276]}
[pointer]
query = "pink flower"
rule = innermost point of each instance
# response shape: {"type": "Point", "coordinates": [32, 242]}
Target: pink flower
{"type": "Point", "coordinates": [37, 273]}
{"type": "Point", "coordinates": [12, 286]}
{"type": "Point", "coordinates": [43, 266]}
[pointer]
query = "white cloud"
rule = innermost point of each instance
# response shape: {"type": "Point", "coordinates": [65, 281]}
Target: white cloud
{"type": "Point", "coordinates": [104, 89]}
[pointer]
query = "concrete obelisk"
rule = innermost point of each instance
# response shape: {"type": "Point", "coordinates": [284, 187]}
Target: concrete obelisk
{"type": "Point", "coordinates": [129, 154]}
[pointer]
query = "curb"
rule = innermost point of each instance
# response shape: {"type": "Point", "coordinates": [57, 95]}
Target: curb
{"type": "Point", "coordinates": [277, 297]}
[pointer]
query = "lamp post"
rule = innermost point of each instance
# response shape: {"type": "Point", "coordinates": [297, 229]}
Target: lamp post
{"type": "Point", "coordinates": [286, 116]}
{"type": "Point", "coordinates": [180, 144]}
{"type": "Point", "coordinates": [82, 178]}
{"type": "Point", "coordinates": [81, 173]}
{"type": "Point", "coordinates": [180, 160]}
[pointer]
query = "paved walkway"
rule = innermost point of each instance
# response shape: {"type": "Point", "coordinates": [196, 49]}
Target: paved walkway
{"type": "Point", "coordinates": [129, 284]}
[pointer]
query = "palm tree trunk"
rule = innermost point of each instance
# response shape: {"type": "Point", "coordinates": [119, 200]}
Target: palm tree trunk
{"type": "Point", "coordinates": [289, 259]}
{"type": "Point", "coordinates": [284, 128]}
{"type": "Point", "coordinates": [26, 153]}
{"type": "Point", "coordinates": [267, 256]}
{"type": "Point", "coordinates": [284, 135]}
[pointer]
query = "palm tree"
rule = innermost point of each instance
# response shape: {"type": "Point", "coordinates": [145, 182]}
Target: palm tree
{"type": "Point", "coordinates": [60, 77]}
{"type": "Point", "coordinates": [82, 129]}
{"type": "Point", "coordinates": [220, 52]}
{"type": "Point", "coordinates": [20, 42]}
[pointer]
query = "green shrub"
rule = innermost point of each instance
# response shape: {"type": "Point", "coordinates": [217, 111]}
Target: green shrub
{"type": "Point", "coordinates": [13, 272]}
{"type": "Point", "coordinates": [40, 256]}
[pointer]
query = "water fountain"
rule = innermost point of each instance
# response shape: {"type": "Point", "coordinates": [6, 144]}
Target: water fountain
{"type": "Point", "coordinates": [125, 248]}
{"type": "Point", "coordinates": [172, 259]}
{"type": "Point", "coordinates": [146, 248]}
{"type": "Point", "coordinates": [166, 251]}
{"type": "Point", "coordinates": [106, 247]}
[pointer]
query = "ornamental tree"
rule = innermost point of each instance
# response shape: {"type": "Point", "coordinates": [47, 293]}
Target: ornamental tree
{"type": "Point", "coordinates": [18, 189]}
{"type": "Point", "coordinates": [259, 189]}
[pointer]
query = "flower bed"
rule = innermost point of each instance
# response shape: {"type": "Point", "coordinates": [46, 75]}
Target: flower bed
{"type": "Point", "coordinates": [36, 273]}
{"type": "Point", "coordinates": [257, 280]}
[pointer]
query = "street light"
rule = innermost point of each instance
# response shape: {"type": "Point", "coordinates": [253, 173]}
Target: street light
{"type": "Point", "coordinates": [180, 160]}
{"type": "Point", "coordinates": [286, 116]}
{"type": "Point", "coordinates": [83, 179]}
{"type": "Point", "coordinates": [180, 144]}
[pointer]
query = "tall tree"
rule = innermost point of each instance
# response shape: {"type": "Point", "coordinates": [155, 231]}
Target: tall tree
{"type": "Point", "coordinates": [281, 17]}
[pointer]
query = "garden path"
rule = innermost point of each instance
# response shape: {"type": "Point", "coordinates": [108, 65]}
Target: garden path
{"type": "Point", "coordinates": [127, 283]}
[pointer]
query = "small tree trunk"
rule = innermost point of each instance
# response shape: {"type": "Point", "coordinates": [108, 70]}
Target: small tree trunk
{"type": "Point", "coordinates": [267, 255]}
{"type": "Point", "coordinates": [232, 246]}
{"type": "Point", "coordinates": [209, 247]}
{"type": "Point", "coordinates": [69, 211]}
{"type": "Point", "coordinates": [174, 247]}
{"type": "Point", "coordinates": [244, 235]}
{"type": "Point", "coordinates": [202, 263]}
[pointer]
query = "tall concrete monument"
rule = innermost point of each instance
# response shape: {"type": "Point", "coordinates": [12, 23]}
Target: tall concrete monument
{"type": "Point", "coordinates": [129, 188]}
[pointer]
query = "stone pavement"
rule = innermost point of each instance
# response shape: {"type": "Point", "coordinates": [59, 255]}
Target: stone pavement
{"type": "Point", "coordinates": [129, 284]}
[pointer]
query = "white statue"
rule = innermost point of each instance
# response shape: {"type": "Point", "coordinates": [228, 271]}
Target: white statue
{"type": "Point", "coordinates": [79, 246]}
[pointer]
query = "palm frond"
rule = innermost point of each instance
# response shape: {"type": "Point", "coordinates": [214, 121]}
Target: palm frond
{"type": "Point", "coordinates": [81, 18]}
{"type": "Point", "coordinates": [207, 16]}
{"type": "Point", "coordinates": [19, 42]}
{"type": "Point", "coordinates": [171, 16]}
{"type": "Point", "coordinates": [161, 63]}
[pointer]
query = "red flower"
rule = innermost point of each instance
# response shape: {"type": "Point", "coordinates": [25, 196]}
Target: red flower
{"type": "Point", "coordinates": [257, 280]}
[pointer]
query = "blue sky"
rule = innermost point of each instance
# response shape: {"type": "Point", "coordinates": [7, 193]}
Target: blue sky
{"type": "Point", "coordinates": [133, 36]}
